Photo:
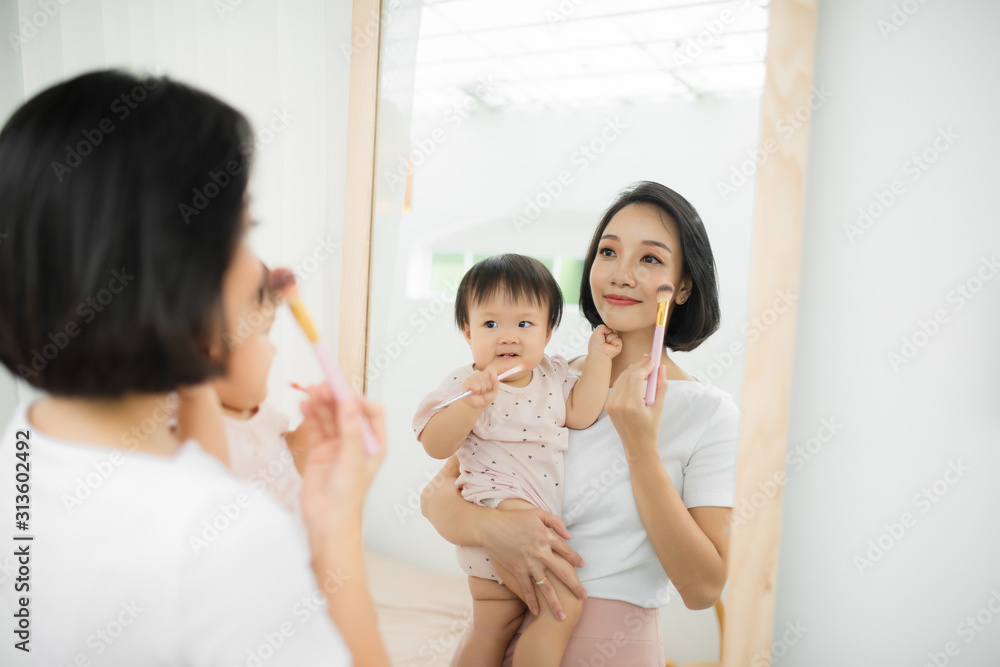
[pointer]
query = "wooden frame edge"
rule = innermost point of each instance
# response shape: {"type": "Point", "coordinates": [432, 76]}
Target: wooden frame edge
{"type": "Point", "coordinates": [767, 386]}
{"type": "Point", "coordinates": [362, 125]}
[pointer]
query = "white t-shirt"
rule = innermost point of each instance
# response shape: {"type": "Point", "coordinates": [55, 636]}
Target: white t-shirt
{"type": "Point", "coordinates": [697, 444]}
{"type": "Point", "coordinates": [140, 559]}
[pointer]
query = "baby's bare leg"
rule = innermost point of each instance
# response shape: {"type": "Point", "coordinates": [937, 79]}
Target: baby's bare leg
{"type": "Point", "coordinates": [496, 616]}
{"type": "Point", "coordinates": [544, 642]}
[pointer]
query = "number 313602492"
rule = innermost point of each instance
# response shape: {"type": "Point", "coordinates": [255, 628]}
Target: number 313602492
{"type": "Point", "coordinates": [23, 475]}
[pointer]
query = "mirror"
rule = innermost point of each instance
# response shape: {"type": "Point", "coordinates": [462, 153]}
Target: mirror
{"type": "Point", "coordinates": [511, 128]}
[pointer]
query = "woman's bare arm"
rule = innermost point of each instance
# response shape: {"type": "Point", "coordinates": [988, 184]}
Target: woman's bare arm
{"type": "Point", "coordinates": [528, 543]}
{"type": "Point", "coordinates": [691, 545]}
{"type": "Point", "coordinates": [336, 478]}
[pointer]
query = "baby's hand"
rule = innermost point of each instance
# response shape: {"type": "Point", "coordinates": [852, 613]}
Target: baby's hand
{"type": "Point", "coordinates": [604, 341]}
{"type": "Point", "coordinates": [484, 386]}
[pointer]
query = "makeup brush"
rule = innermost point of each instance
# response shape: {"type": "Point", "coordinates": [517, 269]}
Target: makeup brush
{"type": "Point", "coordinates": [506, 374]}
{"type": "Point", "coordinates": [663, 293]}
{"type": "Point", "coordinates": [282, 281]}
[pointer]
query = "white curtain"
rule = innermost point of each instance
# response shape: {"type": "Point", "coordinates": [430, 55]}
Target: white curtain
{"type": "Point", "coordinates": [282, 64]}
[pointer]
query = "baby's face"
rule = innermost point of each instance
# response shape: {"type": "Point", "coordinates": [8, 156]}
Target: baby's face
{"type": "Point", "coordinates": [505, 333]}
{"type": "Point", "coordinates": [245, 385]}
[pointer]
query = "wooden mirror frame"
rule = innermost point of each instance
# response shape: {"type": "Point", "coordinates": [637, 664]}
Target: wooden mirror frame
{"type": "Point", "coordinates": [774, 266]}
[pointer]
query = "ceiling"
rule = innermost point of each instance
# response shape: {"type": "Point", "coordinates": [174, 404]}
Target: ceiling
{"type": "Point", "coordinates": [547, 53]}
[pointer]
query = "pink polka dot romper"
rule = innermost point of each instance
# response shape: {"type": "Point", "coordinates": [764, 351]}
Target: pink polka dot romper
{"type": "Point", "coordinates": [515, 449]}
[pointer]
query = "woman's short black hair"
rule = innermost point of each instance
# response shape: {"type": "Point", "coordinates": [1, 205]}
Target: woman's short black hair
{"type": "Point", "coordinates": [121, 207]}
{"type": "Point", "coordinates": [516, 277]}
{"type": "Point", "coordinates": [698, 317]}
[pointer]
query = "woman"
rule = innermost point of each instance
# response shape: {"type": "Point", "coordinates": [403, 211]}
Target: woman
{"type": "Point", "coordinates": [123, 266]}
{"type": "Point", "coordinates": [648, 488]}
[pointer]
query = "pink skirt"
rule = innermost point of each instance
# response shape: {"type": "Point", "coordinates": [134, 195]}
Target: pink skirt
{"type": "Point", "coordinates": [610, 633]}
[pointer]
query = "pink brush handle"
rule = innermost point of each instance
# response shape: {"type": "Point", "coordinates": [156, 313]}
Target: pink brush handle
{"type": "Point", "coordinates": [343, 392]}
{"type": "Point", "coordinates": [656, 354]}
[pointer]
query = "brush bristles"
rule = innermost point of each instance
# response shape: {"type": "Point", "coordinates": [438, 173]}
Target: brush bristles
{"type": "Point", "coordinates": [523, 366]}
{"type": "Point", "coordinates": [663, 292]}
{"type": "Point", "coordinates": [282, 282]}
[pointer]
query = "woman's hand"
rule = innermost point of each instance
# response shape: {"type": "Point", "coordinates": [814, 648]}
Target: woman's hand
{"type": "Point", "coordinates": [638, 424]}
{"type": "Point", "coordinates": [337, 472]}
{"type": "Point", "coordinates": [530, 545]}
{"type": "Point", "coordinates": [304, 437]}
{"type": "Point", "coordinates": [527, 543]}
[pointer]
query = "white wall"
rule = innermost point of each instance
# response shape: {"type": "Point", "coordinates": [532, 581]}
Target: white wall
{"type": "Point", "coordinates": [900, 428]}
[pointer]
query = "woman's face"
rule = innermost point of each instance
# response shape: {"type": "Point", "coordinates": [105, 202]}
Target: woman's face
{"type": "Point", "coordinates": [244, 386]}
{"type": "Point", "coordinates": [240, 284]}
{"type": "Point", "coordinates": [639, 251]}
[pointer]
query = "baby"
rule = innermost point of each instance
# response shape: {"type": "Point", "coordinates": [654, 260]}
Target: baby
{"type": "Point", "coordinates": [261, 448]}
{"type": "Point", "coordinates": [510, 437]}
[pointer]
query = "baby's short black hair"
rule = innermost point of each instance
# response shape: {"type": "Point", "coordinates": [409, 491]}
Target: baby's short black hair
{"type": "Point", "coordinates": [121, 207]}
{"type": "Point", "coordinates": [516, 277]}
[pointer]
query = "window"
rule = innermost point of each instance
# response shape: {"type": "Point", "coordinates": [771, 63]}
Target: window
{"type": "Point", "coordinates": [447, 269]}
